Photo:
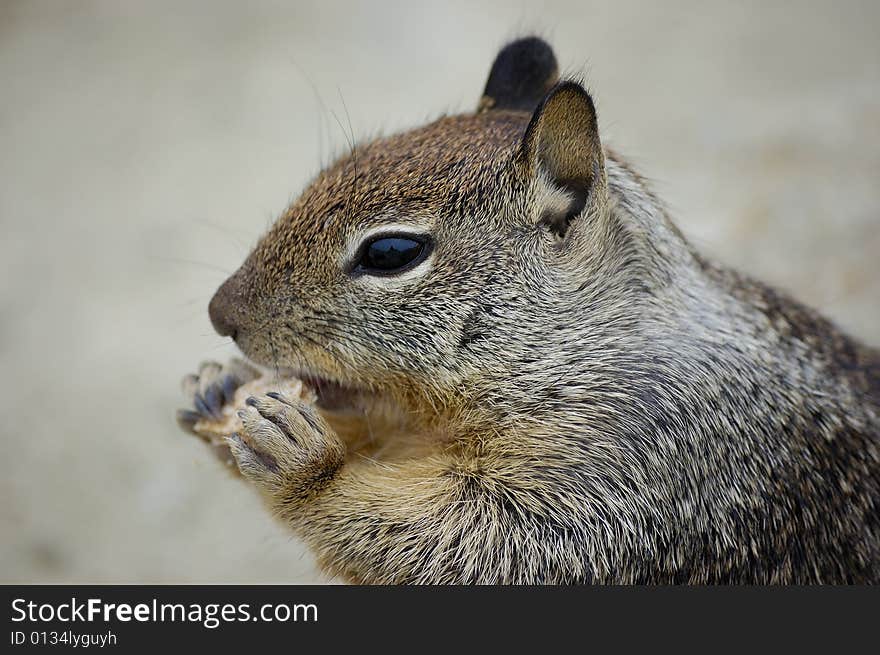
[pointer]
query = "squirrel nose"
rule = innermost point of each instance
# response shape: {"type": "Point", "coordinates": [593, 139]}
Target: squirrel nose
{"type": "Point", "coordinates": [222, 312]}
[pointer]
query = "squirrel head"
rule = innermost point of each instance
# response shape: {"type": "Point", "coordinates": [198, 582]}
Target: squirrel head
{"type": "Point", "coordinates": [416, 263]}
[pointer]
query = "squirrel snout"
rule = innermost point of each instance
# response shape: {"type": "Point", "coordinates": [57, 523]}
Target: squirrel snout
{"type": "Point", "coordinates": [221, 310]}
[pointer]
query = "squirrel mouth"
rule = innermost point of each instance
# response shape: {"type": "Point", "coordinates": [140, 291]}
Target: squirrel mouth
{"type": "Point", "coordinates": [331, 395]}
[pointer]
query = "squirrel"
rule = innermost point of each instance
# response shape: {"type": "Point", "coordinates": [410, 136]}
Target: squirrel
{"type": "Point", "coordinates": [525, 374]}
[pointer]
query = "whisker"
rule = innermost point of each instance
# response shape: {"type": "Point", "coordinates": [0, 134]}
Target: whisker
{"type": "Point", "coordinates": [323, 123]}
{"type": "Point", "coordinates": [353, 145]}
{"type": "Point", "coordinates": [234, 235]}
{"type": "Point", "coordinates": [191, 262]}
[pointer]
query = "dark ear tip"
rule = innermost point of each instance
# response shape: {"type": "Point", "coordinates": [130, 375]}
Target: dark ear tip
{"type": "Point", "coordinates": [531, 48]}
{"type": "Point", "coordinates": [521, 74]}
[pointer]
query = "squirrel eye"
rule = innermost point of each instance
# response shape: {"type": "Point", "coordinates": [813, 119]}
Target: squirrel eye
{"type": "Point", "coordinates": [388, 255]}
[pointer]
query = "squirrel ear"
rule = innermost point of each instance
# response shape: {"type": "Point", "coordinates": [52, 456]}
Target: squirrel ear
{"type": "Point", "coordinates": [522, 73]}
{"type": "Point", "coordinates": [562, 144]}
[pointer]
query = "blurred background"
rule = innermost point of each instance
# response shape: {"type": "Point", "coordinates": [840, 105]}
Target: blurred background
{"type": "Point", "coordinates": [144, 146]}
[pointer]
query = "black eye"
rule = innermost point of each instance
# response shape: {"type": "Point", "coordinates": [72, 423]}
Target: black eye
{"type": "Point", "coordinates": [388, 255]}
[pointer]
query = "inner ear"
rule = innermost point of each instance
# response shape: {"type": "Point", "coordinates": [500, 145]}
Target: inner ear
{"type": "Point", "coordinates": [561, 145]}
{"type": "Point", "coordinates": [561, 206]}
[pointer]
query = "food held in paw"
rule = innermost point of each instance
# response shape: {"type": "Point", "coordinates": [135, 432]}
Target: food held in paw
{"type": "Point", "coordinates": [216, 430]}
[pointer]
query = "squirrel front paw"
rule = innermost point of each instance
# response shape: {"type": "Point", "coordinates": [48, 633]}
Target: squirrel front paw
{"type": "Point", "coordinates": [285, 448]}
{"type": "Point", "coordinates": [211, 396]}
{"type": "Point", "coordinates": [212, 389]}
